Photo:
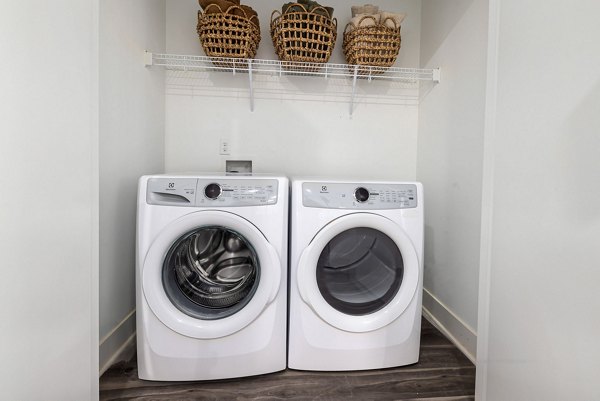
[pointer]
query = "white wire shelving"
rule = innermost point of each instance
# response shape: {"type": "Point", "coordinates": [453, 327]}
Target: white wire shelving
{"type": "Point", "coordinates": [291, 68]}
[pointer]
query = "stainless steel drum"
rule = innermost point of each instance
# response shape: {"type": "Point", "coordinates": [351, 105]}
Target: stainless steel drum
{"type": "Point", "coordinates": [211, 272]}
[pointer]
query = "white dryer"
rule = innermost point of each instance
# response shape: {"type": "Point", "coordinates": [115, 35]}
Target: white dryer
{"type": "Point", "coordinates": [211, 276]}
{"type": "Point", "coordinates": [355, 274]}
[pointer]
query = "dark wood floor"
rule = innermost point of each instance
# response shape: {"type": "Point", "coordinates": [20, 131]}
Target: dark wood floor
{"type": "Point", "coordinates": [442, 374]}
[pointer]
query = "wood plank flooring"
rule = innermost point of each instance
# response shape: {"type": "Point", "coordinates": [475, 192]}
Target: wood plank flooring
{"type": "Point", "coordinates": [443, 373]}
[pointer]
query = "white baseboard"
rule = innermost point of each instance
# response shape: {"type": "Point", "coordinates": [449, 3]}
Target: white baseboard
{"type": "Point", "coordinates": [119, 344]}
{"type": "Point", "coordinates": [457, 331]}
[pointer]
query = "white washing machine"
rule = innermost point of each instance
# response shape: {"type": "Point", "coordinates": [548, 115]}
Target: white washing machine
{"type": "Point", "coordinates": [211, 276]}
{"type": "Point", "coordinates": [355, 274]}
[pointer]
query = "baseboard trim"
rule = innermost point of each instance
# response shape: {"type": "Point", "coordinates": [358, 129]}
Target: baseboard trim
{"type": "Point", "coordinates": [124, 353]}
{"type": "Point", "coordinates": [116, 345]}
{"type": "Point", "coordinates": [457, 331]}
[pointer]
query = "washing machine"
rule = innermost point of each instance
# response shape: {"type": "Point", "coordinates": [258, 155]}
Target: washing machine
{"type": "Point", "coordinates": [356, 274]}
{"type": "Point", "coordinates": [211, 276]}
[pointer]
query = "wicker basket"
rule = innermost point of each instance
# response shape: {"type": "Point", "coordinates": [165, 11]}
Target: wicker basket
{"type": "Point", "coordinates": [303, 36]}
{"type": "Point", "coordinates": [231, 33]}
{"type": "Point", "coordinates": [376, 45]}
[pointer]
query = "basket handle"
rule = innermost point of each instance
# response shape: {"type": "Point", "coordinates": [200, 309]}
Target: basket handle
{"type": "Point", "coordinates": [294, 5]}
{"type": "Point", "coordinates": [228, 9]}
{"type": "Point", "coordinates": [321, 8]}
{"type": "Point", "coordinates": [212, 5]}
{"type": "Point", "coordinates": [305, 10]}
{"type": "Point", "coordinates": [254, 17]}
{"type": "Point", "coordinates": [360, 21]}
{"type": "Point", "coordinates": [273, 13]}
{"type": "Point", "coordinates": [393, 20]}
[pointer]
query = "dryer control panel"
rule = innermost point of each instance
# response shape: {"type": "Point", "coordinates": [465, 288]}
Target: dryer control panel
{"type": "Point", "coordinates": [208, 192]}
{"type": "Point", "coordinates": [359, 196]}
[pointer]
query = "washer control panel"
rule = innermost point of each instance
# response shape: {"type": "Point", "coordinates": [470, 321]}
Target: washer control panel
{"type": "Point", "coordinates": [232, 192]}
{"type": "Point", "coordinates": [219, 192]}
{"type": "Point", "coordinates": [359, 196]}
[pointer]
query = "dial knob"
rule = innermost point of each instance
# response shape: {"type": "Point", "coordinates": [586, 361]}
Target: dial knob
{"type": "Point", "coordinates": [212, 191]}
{"type": "Point", "coordinates": [361, 194]}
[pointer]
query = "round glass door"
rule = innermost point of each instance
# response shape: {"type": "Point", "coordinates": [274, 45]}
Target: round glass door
{"type": "Point", "coordinates": [359, 271]}
{"type": "Point", "coordinates": [211, 272]}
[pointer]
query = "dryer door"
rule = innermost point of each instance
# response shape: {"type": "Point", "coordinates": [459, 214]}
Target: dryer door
{"type": "Point", "coordinates": [210, 274]}
{"type": "Point", "coordinates": [359, 273]}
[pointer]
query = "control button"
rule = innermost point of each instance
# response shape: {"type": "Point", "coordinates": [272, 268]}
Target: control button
{"type": "Point", "coordinates": [212, 191]}
{"type": "Point", "coordinates": [361, 194]}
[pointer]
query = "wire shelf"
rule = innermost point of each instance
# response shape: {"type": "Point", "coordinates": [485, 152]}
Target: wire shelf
{"type": "Point", "coordinates": [290, 68]}
{"type": "Point", "coordinates": [275, 67]}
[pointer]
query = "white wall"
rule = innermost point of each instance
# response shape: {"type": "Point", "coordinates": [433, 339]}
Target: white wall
{"type": "Point", "coordinates": [300, 126]}
{"type": "Point", "coordinates": [48, 200]}
{"type": "Point", "coordinates": [132, 113]}
{"type": "Point", "coordinates": [542, 305]}
{"type": "Point", "coordinates": [449, 162]}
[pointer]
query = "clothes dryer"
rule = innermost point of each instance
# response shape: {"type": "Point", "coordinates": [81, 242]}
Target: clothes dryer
{"type": "Point", "coordinates": [356, 274]}
{"type": "Point", "coordinates": [211, 276]}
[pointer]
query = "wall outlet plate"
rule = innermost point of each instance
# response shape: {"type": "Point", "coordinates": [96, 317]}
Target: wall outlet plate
{"type": "Point", "coordinates": [224, 146]}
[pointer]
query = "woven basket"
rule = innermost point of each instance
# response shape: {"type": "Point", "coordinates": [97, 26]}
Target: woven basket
{"type": "Point", "coordinates": [376, 45]}
{"type": "Point", "coordinates": [231, 33]}
{"type": "Point", "coordinates": [303, 36]}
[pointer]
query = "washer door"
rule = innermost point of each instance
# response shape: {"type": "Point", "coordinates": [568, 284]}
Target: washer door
{"type": "Point", "coordinates": [210, 274]}
{"type": "Point", "coordinates": [359, 273]}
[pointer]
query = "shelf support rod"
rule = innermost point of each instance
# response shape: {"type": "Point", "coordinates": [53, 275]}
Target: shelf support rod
{"type": "Point", "coordinates": [250, 84]}
{"type": "Point", "coordinates": [353, 89]}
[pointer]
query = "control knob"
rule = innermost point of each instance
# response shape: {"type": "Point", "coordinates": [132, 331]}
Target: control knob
{"type": "Point", "coordinates": [212, 191]}
{"type": "Point", "coordinates": [361, 194]}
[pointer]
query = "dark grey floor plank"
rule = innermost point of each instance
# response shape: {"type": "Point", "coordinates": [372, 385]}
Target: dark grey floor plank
{"type": "Point", "coordinates": [416, 384]}
{"type": "Point", "coordinates": [443, 373]}
{"type": "Point", "coordinates": [312, 386]}
{"type": "Point", "coordinates": [431, 337]}
{"type": "Point", "coordinates": [451, 398]}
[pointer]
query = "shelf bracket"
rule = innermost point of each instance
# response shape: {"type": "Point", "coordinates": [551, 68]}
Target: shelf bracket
{"type": "Point", "coordinates": [436, 75]}
{"type": "Point", "coordinates": [147, 58]}
{"type": "Point", "coordinates": [250, 84]}
{"type": "Point", "coordinates": [355, 75]}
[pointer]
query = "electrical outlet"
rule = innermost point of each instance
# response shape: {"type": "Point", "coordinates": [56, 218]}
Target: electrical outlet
{"type": "Point", "coordinates": [224, 147]}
